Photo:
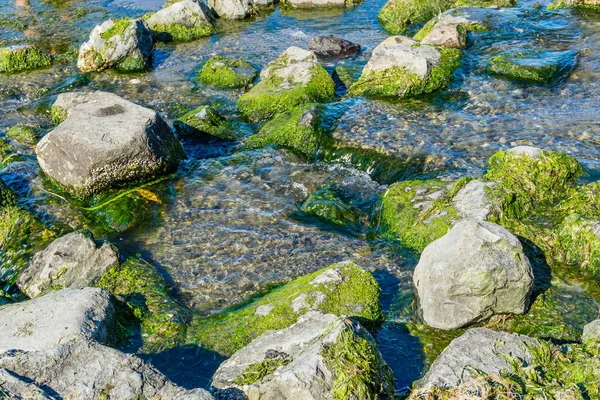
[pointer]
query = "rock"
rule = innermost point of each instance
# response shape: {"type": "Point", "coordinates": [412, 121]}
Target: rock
{"type": "Point", "coordinates": [419, 212]}
{"type": "Point", "coordinates": [182, 21]}
{"type": "Point", "coordinates": [591, 332]}
{"type": "Point", "coordinates": [88, 370]}
{"type": "Point", "coordinates": [536, 5]}
{"type": "Point", "coordinates": [332, 46]}
{"type": "Point", "coordinates": [72, 261]}
{"type": "Point", "coordinates": [526, 151]}
{"type": "Point", "coordinates": [298, 130]}
{"type": "Point", "coordinates": [227, 73]}
{"type": "Point", "coordinates": [581, 4]}
{"type": "Point", "coordinates": [265, 4]}
{"type": "Point", "coordinates": [475, 271]}
{"type": "Point", "coordinates": [232, 9]}
{"type": "Point", "coordinates": [26, 134]}
{"type": "Point", "coordinates": [59, 317]}
{"type": "Point", "coordinates": [312, 359]}
{"type": "Point", "coordinates": [477, 350]}
{"type": "Point", "coordinates": [327, 205]}
{"type": "Point", "coordinates": [400, 67]}
{"type": "Point", "coordinates": [343, 289]}
{"type": "Point", "coordinates": [318, 3]}
{"type": "Point", "coordinates": [22, 58]}
{"type": "Point", "coordinates": [466, 19]}
{"type": "Point", "coordinates": [106, 141]}
{"type": "Point", "coordinates": [13, 387]}
{"type": "Point", "coordinates": [203, 121]}
{"type": "Point", "coordinates": [124, 44]}
{"type": "Point", "coordinates": [533, 66]}
{"type": "Point", "coordinates": [453, 36]}
{"type": "Point", "coordinates": [295, 78]}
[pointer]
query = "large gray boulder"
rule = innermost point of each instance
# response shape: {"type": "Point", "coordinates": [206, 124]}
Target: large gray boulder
{"type": "Point", "coordinates": [59, 317]}
{"type": "Point", "coordinates": [106, 141]}
{"type": "Point", "coordinates": [123, 44]}
{"type": "Point", "coordinates": [476, 270]}
{"type": "Point", "coordinates": [478, 350]}
{"type": "Point", "coordinates": [232, 9]}
{"type": "Point", "coordinates": [88, 370]}
{"type": "Point", "coordinates": [182, 21]}
{"type": "Point", "coordinates": [304, 362]}
{"type": "Point", "coordinates": [72, 261]}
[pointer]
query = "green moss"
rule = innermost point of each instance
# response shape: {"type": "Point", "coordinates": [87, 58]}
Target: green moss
{"type": "Point", "coordinates": [205, 120]}
{"type": "Point", "coordinates": [7, 155]}
{"type": "Point", "coordinates": [141, 287]}
{"type": "Point", "coordinates": [327, 205]}
{"type": "Point", "coordinates": [58, 114]}
{"type": "Point", "coordinates": [419, 212]}
{"type": "Point", "coordinates": [24, 133]}
{"type": "Point", "coordinates": [398, 15]}
{"type": "Point", "coordinates": [132, 64]}
{"type": "Point", "coordinates": [398, 82]}
{"type": "Point", "coordinates": [357, 296]}
{"type": "Point", "coordinates": [268, 97]}
{"type": "Point", "coordinates": [181, 33]}
{"type": "Point", "coordinates": [525, 67]}
{"type": "Point", "coordinates": [360, 372]}
{"type": "Point", "coordinates": [578, 243]}
{"type": "Point", "coordinates": [17, 59]}
{"type": "Point", "coordinates": [298, 130]}
{"type": "Point", "coordinates": [526, 183]}
{"type": "Point", "coordinates": [583, 5]}
{"type": "Point", "coordinates": [228, 73]}
{"type": "Point", "coordinates": [347, 75]}
{"type": "Point", "coordinates": [256, 372]}
{"type": "Point", "coordinates": [118, 28]}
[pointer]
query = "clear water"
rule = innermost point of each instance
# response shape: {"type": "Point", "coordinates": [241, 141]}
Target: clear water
{"type": "Point", "coordinates": [228, 225]}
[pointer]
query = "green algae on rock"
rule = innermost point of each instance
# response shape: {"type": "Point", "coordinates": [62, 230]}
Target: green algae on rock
{"type": "Point", "coordinates": [538, 67]}
{"type": "Point", "coordinates": [341, 289]}
{"type": "Point", "coordinates": [295, 78]}
{"type": "Point", "coordinates": [205, 120]}
{"type": "Point", "coordinates": [227, 73]}
{"type": "Point", "coordinates": [400, 67]}
{"type": "Point", "coordinates": [140, 286]}
{"type": "Point", "coordinates": [298, 130]}
{"type": "Point", "coordinates": [22, 58]}
{"type": "Point", "coordinates": [25, 134]}
{"type": "Point", "coordinates": [327, 205]}
{"type": "Point", "coordinates": [578, 4]}
{"type": "Point", "coordinates": [183, 21]}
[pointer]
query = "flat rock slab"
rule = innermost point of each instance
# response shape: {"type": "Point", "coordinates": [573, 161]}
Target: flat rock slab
{"type": "Point", "coordinates": [478, 349]}
{"type": "Point", "coordinates": [72, 261]}
{"type": "Point", "coordinates": [59, 317]}
{"type": "Point", "coordinates": [106, 141]}
{"type": "Point", "coordinates": [88, 370]}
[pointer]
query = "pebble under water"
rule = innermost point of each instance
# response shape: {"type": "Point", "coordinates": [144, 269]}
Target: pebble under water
{"type": "Point", "coordinates": [228, 225]}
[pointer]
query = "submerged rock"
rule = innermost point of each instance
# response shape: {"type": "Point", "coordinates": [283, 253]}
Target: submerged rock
{"type": "Point", "coordinates": [182, 21]}
{"type": "Point", "coordinates": [401, 67]}
{"type": "Point", "coordinates": [295, 78]}
{"type": "Point", "coordinates": [22, 58]}
{"type": "Point", "coordinates": [228, 73]}
{"type": "Point", "coordinates": [232, 9]}
{"type": "Point", "coordinates": [106, 141]}
{"type": "Point", "coordinates": [327, 205]}
{"type": "Point", "coordinates": [332, 46]}
{"type": "Point", "coordinates": [475, 271]}
{"type": "Point", "coordinates": [72, 261]}
{"type": "Point", "coordinates": [26, 134]}
{"type": "Point", "coordinates": [343, 289]}
{"type": "Point", "coordinates": [530, 66]}
{"type": "Point", "coordinates": [125, 44]}
{"type": "Point", "coordinates": [205, 120]}
{"type": "Point", "coordinates": [321, 356]}
{"type": "Point", "coordinates": [88, 370]}
{"type": "Point", "coordinates": [64, 316]}
{"type": "Point", "coordinates": [298, 130]}
{"type": "Point", "coordinates": [478, 350]}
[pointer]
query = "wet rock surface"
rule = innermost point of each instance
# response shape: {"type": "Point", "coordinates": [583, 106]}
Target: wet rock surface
{"type": "Point", "coordinates": [332, 46]}
{"type": "Point", "coordinates": [183, 21]}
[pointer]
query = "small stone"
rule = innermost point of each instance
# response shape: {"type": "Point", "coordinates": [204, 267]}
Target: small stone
{"type": "Point", "coordinates": [453, 36]}
{"type": "Point", "coordinates": [232, 9]}
{"type": "Point", "coordinates": [333, 46]}
{"type": "Point", "coordinates": [526, 151]}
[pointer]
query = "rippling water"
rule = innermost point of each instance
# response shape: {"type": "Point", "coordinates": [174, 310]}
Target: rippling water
{"type": "Point", "coordinates": [229, 224]}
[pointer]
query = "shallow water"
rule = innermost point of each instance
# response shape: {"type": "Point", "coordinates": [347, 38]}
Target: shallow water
{"type": "Point", "coordinates": [228, 226]}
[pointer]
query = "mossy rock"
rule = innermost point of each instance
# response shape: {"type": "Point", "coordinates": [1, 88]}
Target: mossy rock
{"type": "Point", "coordinates": [22, 58]}
{"type": "Point", "coordinates": [529, 178]}
{"type": "Point", "coordinates": [341, 289]}
{"type": "Point", "coordinates": [538, 67]}
{"type": "Point", "coordinates": [593, 5]}
{"type": "Point", "coordinates": [398, 82]}
{"type": "Point", "coordinates": [181, 33]}
{"type": "Point", "coordinates": [227, 73]}
{"type": "Point", "coordinates": [281, 90]}
{"type": "Point", "coordinates": [578, 243]}
{"type": "Point", "coordinates": [25, 134]}
{"type": "Point", "coordinates": [327, 205]}
{"type": "Point", "coordinates": [298, 130]}
{"type": "Point", "coordinates": [57, 114]}
{"type": "Point", "coordinates": [397, 16]}
{"type": "Point", "coordinates": [145, 292]}
{"type": "Point", "coordinates": [445, 19]}
{"type": "Point", "coordinates": [203, 121]}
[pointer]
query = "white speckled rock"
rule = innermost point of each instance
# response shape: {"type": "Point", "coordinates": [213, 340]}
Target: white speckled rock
{"type": "Point", "coordinates": [232, 9]}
